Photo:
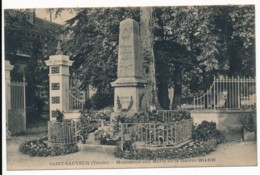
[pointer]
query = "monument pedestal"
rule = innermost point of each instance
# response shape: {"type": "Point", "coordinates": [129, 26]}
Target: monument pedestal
{"type": "Point", "coordinates": [129, 95]}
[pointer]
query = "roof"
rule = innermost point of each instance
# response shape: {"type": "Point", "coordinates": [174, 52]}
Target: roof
{"type": "Point", "coordinates": [45, 26]}
{"type": "Point", "coordinates": [22, 22]}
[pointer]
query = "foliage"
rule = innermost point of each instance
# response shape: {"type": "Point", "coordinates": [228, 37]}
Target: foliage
{"type": "Point", "coordinates": [207, 131]}
{"type": "Point", "coordinates": [101, 100]}
{"type": "Point", "coordinates": [193, 149]}
{"type": "Point", "coordinates": [16, 30]}
{"type": "Point", "coordinates": [196, 43]}
{"type": "Point", "coordinates": [105, 116]}
{"type": "Point", "coordinates": [59, 116]}
{"type": "Point", "coordinates": [192, 44]}
{"type": "Point", "coordinates": [32, 114]}
{"type": "Point", "coordinates": [39, 148]}
{"type": "Point", "coordinates": [105, 138]}
{"type": "Point", "coordinates": [88, 124]}
{"type": "Point", "coordinates": [179, 115]}
{"type": "Point", "coordinates": [153, 116]}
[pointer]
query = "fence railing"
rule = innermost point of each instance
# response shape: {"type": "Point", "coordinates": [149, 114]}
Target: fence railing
{"type": "Point", "coordinates": [76, 103]}
{"type": "Point", "coordinates": [156, 134]}
{"type": "Point", "coordinates": [62, 132]}
{"type": "Point", "coordinates": [18, 95]}
{"type": "Point", "coordinates": [167, 115]}
{"type": "Point", "coordinates": [228, 93]}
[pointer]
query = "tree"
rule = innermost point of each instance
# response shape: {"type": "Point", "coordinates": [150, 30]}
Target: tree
{"type": "Point", "coordinates": [147, 41]}
{"type": "Point", "coordinates": [237, 32]}
{"type": "Point", "coordinates": [184, 38]}
{"type": "Point", "coordinates": [17, 38]}
{"type": "Point", "coordinates": [191, 45]}
{"type": "Point", "coordinates": [194, 45]}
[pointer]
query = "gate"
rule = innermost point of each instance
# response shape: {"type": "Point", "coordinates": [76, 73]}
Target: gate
{"type": "Point", "coordinates": [76, 102]}
{"type": "Point", "coordinates": [16, 118]}
{"type": "Point", "coordinates": [228, 93]}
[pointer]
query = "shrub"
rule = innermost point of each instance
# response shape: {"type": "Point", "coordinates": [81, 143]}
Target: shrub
{"type": "Point", "coordinates": [207, 131]}
{"type": "Point", "coordinates": [154, 116]}
{"type": "Point", "coordinates": [59, 116]}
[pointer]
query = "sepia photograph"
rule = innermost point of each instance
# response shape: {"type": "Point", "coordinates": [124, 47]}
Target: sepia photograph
{"type": "Point", "coordinates": [119, 87]}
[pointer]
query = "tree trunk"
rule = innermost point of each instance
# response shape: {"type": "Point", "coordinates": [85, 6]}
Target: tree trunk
{"type": "Point", "coordinates": [147, 40]}
{"type": "Point", "coordinates": [163, 96]}
{"type": "Point", "coordinates": [235, 57]}
{"type": "Point", "coordinates": [177, 87]}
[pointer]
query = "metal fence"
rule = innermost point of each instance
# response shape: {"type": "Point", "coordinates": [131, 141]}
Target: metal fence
{"type": "Point", "coordinates": [156, 134]}
{"type": "Point", "coordinates": [228, 93]}
{"type": "Point", "coordinates": [62, 132]}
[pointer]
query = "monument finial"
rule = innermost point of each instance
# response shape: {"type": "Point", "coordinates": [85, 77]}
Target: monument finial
{"type": "Point", "coordinates": [59, 51]}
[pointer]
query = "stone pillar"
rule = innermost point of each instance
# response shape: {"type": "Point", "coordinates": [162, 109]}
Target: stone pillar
{"type": "Point", "coordinates": [129, 86]}
{"type": "Point", "coordinates": [59, 83]}
{"type": "Point", "coordinates": [8, 68]}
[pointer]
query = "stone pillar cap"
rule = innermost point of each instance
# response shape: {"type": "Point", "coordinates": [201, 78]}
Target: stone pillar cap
{"type": "Point", "coordinates": [59, 60]}
{"type": "Point", "coordinates": [8, 66]}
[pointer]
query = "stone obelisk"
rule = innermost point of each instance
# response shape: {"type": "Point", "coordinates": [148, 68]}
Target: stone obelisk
{"type": "Point", "coordinates": [129, 86]}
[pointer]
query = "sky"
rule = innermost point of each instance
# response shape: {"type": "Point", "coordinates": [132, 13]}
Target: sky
{"type": "Point", "coordinates": [65, 15]}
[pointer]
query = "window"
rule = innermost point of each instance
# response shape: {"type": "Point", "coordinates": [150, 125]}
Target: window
{"type": "Point", "coordinates": [55, 100]}
{"type": "Point", "coordinates": [55, 86]}
{"type": "Point", "coordinates": [55, 69]}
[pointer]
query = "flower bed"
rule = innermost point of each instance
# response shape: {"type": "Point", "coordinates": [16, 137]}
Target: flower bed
{"type": "Point", "coordinates": [39, 148]}
{"type": "Point", "coordinates": [193, 149]}
{"type": "Point", "coordinates": [105, 138]}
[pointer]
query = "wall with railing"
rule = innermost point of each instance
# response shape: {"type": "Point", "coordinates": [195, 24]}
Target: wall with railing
{"type": "Point", "coordinates": [228, 93]}
{"type": "Point", "coordinates": [151, 135]}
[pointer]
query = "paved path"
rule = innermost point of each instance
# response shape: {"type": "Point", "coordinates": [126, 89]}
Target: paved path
{"type": "Point", "coordinates": [231, 154]}
{"type": "Point", "coordinates": [228, 154]}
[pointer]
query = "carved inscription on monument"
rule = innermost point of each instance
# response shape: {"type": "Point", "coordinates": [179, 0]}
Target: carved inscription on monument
{"type": "Point", "coordinates": [128, 43]}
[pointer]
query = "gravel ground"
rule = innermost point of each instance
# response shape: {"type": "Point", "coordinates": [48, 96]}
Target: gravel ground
{"type": "Point", "coordinates": [227, 154]}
